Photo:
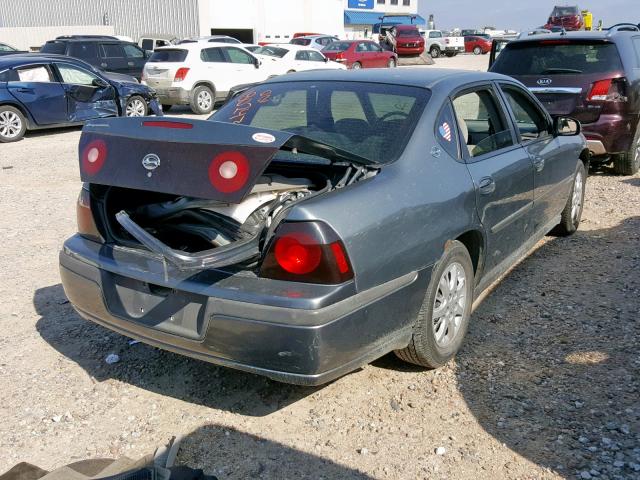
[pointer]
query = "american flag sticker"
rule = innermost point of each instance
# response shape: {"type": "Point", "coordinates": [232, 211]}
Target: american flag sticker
{"type": "Point", "coordinates": [445, 131]}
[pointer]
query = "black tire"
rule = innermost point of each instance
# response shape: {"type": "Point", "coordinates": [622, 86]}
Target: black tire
{"type": "Point", "coordinates": [434, 52]}
{"type": "Point", "coordinates": [136, 107]}
{"type": "Point", "coordinates": [166, 108]}
{"type": "Point", "coordinates": [629, 163]}
{"type": "Point", "coordinates": [198, 96]}
{"type": "Point", "coordinates": [392, 63]}
{"type": "Point", "coordinates": [477, 51]}
{"type": "Point", "coordinates": [570, 220]}
{"type": "Point", "coordinates": [424, 349]}
{"type": "Point", "coordinates": [356, 66]}
{"type": "Point", "coordinates": [291, 71]}
{"type": "Point", "coordinates": [13, 124]}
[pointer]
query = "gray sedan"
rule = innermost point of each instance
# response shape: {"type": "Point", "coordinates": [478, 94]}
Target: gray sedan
{"type": "Point", "coordinates": [320, 220]}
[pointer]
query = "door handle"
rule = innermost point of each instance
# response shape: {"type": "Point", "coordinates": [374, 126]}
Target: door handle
{"type": "Point", "coordinates": [538, 163]}
{"type": "Point", "coordinates": [25, 90]}
{"type": "Point", "coordinates": [130, 64]}
{"type": "Point", "coordinates": [103, 65]}
{"type": "Point", "coordinates": [486, 186]}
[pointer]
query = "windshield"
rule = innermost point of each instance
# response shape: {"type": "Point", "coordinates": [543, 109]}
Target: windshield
{"type": "Point", "coordinates": [272, 51]}
{"type": "Point", "coordinates": [374, 121]}
{"type": "Point", "coordinates": [557, 56]}
{"type": "Point", "coordinates": [564, 11]}
{"type": "Point", "coordinates": [173, 55]}
{"type": "Point", "coordinates": [337, 47]}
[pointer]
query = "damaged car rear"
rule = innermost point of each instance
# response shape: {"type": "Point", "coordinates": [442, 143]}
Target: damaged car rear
{"type": "Point", "coordinates": [293, 234]}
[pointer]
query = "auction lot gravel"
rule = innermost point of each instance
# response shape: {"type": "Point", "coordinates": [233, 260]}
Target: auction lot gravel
{"type": "Point", "coordinates": [547, 384]}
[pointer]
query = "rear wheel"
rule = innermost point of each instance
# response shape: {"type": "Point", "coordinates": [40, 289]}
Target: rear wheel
{"type": "Point", "coordinates": [356, 66]}
{"type": "Point", "coordinates": [629, 163]}
{"type": "Point", "coordinates": [136, 107]}
{"type": "Point", "coordinates": [391, 63]}
{"type": "Point", "coordinates": [434, 52]}
{"type": "Point", "coordinates": [202, 100]}
{"type": "Point", "coordinates": [13, 125]}
{"type": "Point", "coordinates": [444, 316]}
{"type": "Point", "coordinates": [572, 213]}
{"type": "Point", "coordinates": [477, 51]}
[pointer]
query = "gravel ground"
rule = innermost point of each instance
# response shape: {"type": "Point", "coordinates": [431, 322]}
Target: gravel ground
{"type": "Point", "coordinates": [547, 384]}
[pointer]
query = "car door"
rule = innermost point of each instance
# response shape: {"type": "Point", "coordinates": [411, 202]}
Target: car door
{"type": "Point", "coordinates": [88, 95]}
{"type": "Point", "coordinates": [363, 55]}
{"type": "Point", "coordinates": [136, 59]}
{"type": "Point", "coordinates": [245, 68]}
{"type": "Point", "coordinates": [502, 172]}
{"type": "Point", "coordinates": [112, 58]}
{"type": "Point", "coordinates": [316, 59]}
{"type": "Point", "coordinates": [378, 55]}
{"type": "Point", "coordinates": [553, 168]}
{"type": "Point", "coordinates": [36, 87]}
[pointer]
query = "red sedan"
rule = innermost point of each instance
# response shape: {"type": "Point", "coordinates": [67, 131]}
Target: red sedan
{"type": "Point", "coordinates": [360, 54]}
{"type": "Point", "coordinates": [477, 45]}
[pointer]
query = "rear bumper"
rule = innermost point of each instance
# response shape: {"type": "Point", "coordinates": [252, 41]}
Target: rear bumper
{"type": "Point", "coordinates": [173, 95]}
{"type": "Point", "coordinates": [611, 134]}
{"type": "Point", "coordinates": [264, 331]}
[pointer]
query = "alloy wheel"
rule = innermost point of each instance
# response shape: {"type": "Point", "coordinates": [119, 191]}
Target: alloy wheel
{"type": "Point", "coordinates": [10, 124]}
{"type": "Point", "coordinates": [576, 200]}
{"type": "Point", "coordinates": [449, 304]}
{"type": "Point", "coordinates": [204, 100]}
{"type": "Point", "coordinates": [135, 108]}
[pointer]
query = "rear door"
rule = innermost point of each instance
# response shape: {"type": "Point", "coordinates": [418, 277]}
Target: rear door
{"type": "Point", "coordinates": [135, 59]}
{"type": "Point", "coordinates": [243, 67]}
{"type": "Point", "coordinates": [36, 87]}
{"type": "Point", "coordinates": [112, 58]}
{"type": "Point", "coordinates": [502, 171]}
{"type": "Point", "coordinates": [88, 96]}
{"type": "Point", "coordinates": [364, 55]}
{"type": "Point", "coordinates": [553, 169]}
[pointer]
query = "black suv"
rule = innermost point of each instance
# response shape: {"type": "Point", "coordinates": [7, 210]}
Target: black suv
{"type": "Point", "coordinates": [593, 77]}
{"type": "Point", "coordinates": [103, 52]}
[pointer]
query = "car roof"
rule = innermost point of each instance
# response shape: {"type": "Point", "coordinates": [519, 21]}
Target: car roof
{"type": "Point", "coordinates": [290, 46]}
{"type": "Point", "coordinates": [89, 39]}
{"type": "Point", "coordinates": [311, 37]}
{"type": "Point", "coordinates": [581, 35]}
{"type": "Point", "coordinates": [18, 59]}
{"type": "Point", "coordinates": [404, 26]}
{"type": "Point", "coordinates": [408, 76]}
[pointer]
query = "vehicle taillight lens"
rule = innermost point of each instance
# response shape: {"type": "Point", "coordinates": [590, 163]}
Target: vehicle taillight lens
{"type": "Point", "coordinates": [181, 74]}
{"type": "Point", "coordinates": [309, 252]}
{"type": "Point", "coordinates": [93, 157]}
{"type": "Point", "coordinates": [340, 57]}
{"type": "Point", "coordinates": [612, 90]}
{"type": "Point", "coordinates": [86, 223]}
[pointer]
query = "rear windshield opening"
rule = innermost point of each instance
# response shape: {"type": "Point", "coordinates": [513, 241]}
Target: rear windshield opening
{"type": "Point", "coordinates": [371, 120]}
{"type": "Point", "coordinates": [408, 33]}
{"type": "Point", "coordinates": [173, 55]}
{"type": "Point", "coordinates": [337, 47]}
{"type": "Point", "coordinates": [272, 51]}
{"type": "Point", "coordinates": [558, 57]}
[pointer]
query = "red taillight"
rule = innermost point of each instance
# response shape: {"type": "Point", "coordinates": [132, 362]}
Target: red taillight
{"type": "Point", "coordinates": [611, 90]}
{"type": "Point", "coordinates": [86, 223]}
{"type": "Point", "coordinates": [166, 124]}
{"type": "Point", "coordinates": [309, 252]}
{"type": "Point", "coordinates": [93, 157]}
{"type": "Point", "coordinates": [229, 171]}
{"type": "Point", "coordinates": [181, 74]}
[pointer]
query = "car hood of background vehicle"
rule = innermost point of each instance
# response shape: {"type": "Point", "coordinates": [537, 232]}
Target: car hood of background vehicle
{"type": "Point", "coordinates": [119, 77]}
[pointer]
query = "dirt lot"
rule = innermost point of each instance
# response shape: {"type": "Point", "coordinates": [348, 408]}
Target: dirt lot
{"type": "Point", "coordinates": [547, 384]}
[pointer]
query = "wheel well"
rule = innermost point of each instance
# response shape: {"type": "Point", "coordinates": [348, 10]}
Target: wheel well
{"type": "Point", "coordinates": [474, 243]}
{"type": "Point", "coordinates": [585, 156]}
{"type": "Point", "coordinates": [205, 84]}
{"type": "Point", "coordinates": [22, 110]}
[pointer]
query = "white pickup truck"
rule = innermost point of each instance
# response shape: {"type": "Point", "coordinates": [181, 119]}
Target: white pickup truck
{"type": "Point", "coordinates": [437, 44]}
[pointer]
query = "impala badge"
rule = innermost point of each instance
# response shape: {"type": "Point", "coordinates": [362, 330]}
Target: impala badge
{"type": "Point", "coordinates": [151, 161]}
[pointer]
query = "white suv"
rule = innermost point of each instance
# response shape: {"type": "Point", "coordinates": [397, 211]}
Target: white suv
{"type": "Point", "coordinates": [201, 73]}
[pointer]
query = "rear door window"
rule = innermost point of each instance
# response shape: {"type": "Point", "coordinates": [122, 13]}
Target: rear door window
{"type": "Point", "coordinates": [530, 121]}
{"type": "Point", "coordinates": [112, 50]}
{"type": "Point", "coordinates": [562, 57]}
{"type": "Point", "coordinates": [84, 51]}
{"type": "Point", "coordinates": [302, 55]}
{"type": "Point", "coordinates": [482, 122]}
{"type": "Point", "coordinates": [34, 73]}
{"type": "Point", "coordinates": [170, 56]}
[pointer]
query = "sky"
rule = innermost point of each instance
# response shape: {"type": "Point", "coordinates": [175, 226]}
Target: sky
{"type": "Point", "coordinates": [520, 14]}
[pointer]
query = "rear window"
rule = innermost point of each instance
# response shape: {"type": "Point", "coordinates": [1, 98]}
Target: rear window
{"type": "Point", "coordinates": [374, 121]}
{"type": "Point", "coordinates": [408, 33]}
{"type": "Point", "coordinates": [54, 47]}
{"type": "Point", "coordinates": [301, 41]}
{"type": "Point", "coordinates": [558, 57]}
{"type": "Point", "coordinates": [337, 47]}
{"type": "Point", "coordinates": [173, 55]}
{"type": "Point", "coordinates": [85, 51]}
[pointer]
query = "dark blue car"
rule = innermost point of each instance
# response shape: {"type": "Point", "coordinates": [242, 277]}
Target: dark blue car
{"type": "Point", "coordinates": [44, 91]}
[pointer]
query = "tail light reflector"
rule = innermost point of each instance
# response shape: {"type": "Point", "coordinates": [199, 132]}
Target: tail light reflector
{"type": "Point", "coordinates": [181, 73]}
{"type": "Point", "coordinates": [309, 252]}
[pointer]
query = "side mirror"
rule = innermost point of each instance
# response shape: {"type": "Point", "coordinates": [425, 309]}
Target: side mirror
{"type": "Point", "coordinates": [566, 127]}
{"type": "Point", "coordinates": [257, 62]}
{"type": "Point", "coordinates": [100, 83]}
{"type": "Point", "coordinates": [326, 60]}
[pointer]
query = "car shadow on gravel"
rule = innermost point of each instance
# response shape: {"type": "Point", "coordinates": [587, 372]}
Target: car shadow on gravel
{"type": "Point", "coordinates": [153, 369]}
{"type": "Point", "coordinates": [231, 454]}
{"type": "Point", "coordinates": [551, 364]}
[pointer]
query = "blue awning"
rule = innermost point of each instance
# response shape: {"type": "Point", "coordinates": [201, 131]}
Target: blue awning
{"type": "Point", "coordinates": [355, 17]}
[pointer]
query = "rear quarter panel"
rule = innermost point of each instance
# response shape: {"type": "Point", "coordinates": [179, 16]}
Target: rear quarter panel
{"type": "Point", "coordinates": [399, 221]}
{"type": "Point", "coordinates": [7, 99]}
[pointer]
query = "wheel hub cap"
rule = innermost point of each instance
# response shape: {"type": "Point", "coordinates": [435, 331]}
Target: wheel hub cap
{"type": "Point", "coordinates": [10, 124]}
{"type": "Point", "coordinates": [576, 200]}
{"type": "Point", "coordinates": [204, 100]}
{"type": "Point", "coordinates": [135, 109]}
{"type": "Point", "coordinates": [449, 304]}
